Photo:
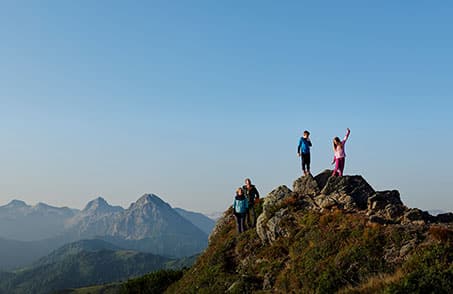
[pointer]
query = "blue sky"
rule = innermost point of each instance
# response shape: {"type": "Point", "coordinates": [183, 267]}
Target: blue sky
{"type": "Point", "coordinates": [187, 98]}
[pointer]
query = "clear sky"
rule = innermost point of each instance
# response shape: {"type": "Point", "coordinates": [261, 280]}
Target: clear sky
{"type": "Point", "coordinates": [185, 99]}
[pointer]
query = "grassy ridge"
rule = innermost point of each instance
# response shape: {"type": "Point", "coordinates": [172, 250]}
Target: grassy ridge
{"type": "Point", "coordinates": [324, 253]}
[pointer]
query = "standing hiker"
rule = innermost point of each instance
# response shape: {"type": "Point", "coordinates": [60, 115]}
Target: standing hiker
{"type": "Point", "coordinates": [252, 194]}
{"type": "Point", "coordinates": [240, 206]}
{"type": "Point", "coordinates": [339, 154]}
{"type": "Point", "coordinates": [303, 151]}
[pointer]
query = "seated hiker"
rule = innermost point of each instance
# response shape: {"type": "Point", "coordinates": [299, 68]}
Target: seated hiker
{"type": "Point", "coordinates": [240, 206]}
{"type": "Point", "coordinates": [252, 195]}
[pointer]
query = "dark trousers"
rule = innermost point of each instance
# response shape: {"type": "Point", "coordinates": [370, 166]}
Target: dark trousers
{"type": "Point", "coordinates": [251, 217]}
{"type": "Point", "coordinates": [240, 219]}
{"type": "Point", "coordinates": [306, 162]}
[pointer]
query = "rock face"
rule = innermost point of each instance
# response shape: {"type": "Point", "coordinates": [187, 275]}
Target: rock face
{"type": "Point", "coordinates": [348, 193]}
{"type": "Point", "coordinates": [267, 225]}
{"type": "Point", "coordinates": [386, 205]}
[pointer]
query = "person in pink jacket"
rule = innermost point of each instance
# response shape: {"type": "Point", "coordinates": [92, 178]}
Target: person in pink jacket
{"type": "Point", "coordinates": [339, 154]}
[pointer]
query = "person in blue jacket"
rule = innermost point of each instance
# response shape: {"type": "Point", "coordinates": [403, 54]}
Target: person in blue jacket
{"type": "Point", "coordinates": [240, 207]}
{"type": "Point", "coordinates": [303, 151]}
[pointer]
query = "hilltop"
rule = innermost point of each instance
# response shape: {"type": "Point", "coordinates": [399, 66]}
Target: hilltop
{"type": "Point", "coordinates": [328, 234]}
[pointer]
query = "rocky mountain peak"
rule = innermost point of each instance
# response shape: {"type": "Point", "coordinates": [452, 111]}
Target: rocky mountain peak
{"type": "Point", "coordinates": [100, 205]}
{"type": "Point", "coordinates": [16, 204]}
{"type": "Point", "coordinates": [150, 200]}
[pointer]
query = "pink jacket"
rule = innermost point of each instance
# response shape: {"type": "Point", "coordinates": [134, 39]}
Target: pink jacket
{"type": "Point", "coordinates": [339, 151]}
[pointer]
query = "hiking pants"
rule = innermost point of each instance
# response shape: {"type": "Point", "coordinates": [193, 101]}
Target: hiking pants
{"type": "Point", "coordinates": [240, 219]}
{"type": "Point", "coordinates": [305, 162]}
{"type": "Point", "coordinates": [251, 217]}
{"type": "Point", "coordinates": [339, 166]}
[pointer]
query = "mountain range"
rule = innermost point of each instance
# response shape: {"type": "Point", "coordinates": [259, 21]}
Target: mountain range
{"type": "Point", "coordinates": [149, 225]}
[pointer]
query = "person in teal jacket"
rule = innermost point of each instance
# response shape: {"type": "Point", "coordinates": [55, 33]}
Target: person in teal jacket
{"type": "Point", "coordinates": [240, 207]}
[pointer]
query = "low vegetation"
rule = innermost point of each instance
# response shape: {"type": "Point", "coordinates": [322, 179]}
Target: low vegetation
{"type": "Point", "coordinates": [327, 252]}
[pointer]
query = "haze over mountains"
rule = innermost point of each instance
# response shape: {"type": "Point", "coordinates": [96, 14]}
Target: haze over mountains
{"type": "Point", "coordinates": [148, 225]}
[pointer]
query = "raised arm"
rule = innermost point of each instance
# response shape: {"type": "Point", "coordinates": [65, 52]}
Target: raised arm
{"type": "Point", "coordinates": [347, 135]}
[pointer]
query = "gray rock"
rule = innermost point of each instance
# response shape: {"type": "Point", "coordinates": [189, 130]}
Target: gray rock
{"type": "Point", "coordinates": [275, 199]}
{"type": "Point", "coordinates": [325, 202]}
{"type": "Point", "coordinates": [322, 178]}
{"type": "Point", "coordinates": [267, 225]}
{"type": "Point", "coordinates": [386, 204]}
{"type": "Point", "coordinates": [306, 185]}
{"type": "Point", "coordinates": [355, 187]}
{"type": "Point", "coordinates": [416, 216]}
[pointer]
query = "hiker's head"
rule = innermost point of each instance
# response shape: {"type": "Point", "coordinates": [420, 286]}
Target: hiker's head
{"type": "Point", "coordinates": [336, 142]}
{"type": "Point", "coordinates": [306, 134]}
{"type": "Point", "coordinates": [239, 192]}
{"type": "Point", "coordinates": [248, 182]}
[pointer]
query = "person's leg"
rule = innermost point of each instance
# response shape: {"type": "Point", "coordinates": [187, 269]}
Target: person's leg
{"type": "Point", "coordinates": [252, 217]}
{"type": "Point", "coordinates": [238, 221]}
{"type": "Point", "coordinates": [341, 165]}
{"type": "Point", "coordinates": [248, 220]}
{"type": "Point", "coordinates": [336, 167]}
{"type": "Point", "coordinates": [302, 156]}
{"type": "Point", "coordinates": [242, 220]}
{"type": "Point", "coordinates": [308, 161]}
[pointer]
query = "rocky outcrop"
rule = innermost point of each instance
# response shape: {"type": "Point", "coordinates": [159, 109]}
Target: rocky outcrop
{"type": "Point", "coordinates": [306, 186]}
{"type": "Point", "coordinates": [348, 193]}
{"type": "Point", "coordinates": [385, 207]}
{"type": "Point", "coordinates": [268, 224]}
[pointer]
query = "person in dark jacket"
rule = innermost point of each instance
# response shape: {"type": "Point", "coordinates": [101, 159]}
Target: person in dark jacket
{"type": "Point", "coordinates": [303, 151]}
{"type": "Point", "coordinates": [252, 195]}
{"type": "Point", "coordinates": [240, 206]}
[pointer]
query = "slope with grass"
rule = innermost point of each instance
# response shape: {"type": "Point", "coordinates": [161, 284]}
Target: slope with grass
{"type": "Point", "coordinates": [328, 235]}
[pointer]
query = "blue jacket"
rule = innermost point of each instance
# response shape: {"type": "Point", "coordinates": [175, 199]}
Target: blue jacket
{"type": "Point", "coordinates": [304, 146]}
{"type": "Point", "coordinates": [240, 204]}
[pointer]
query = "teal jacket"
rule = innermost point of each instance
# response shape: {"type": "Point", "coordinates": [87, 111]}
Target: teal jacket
{"type": "Point", "coordinates": [240, 204]}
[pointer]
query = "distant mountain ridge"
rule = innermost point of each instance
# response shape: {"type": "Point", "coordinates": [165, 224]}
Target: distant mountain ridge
{"type": "Point", "coordinates": [82, 263]}
{"type": "Point", "coordinates": [22, 222]}
{"type": "Point", "coordinates": [148, 225]}
{"type": "Point", "coordinates": [200, 220]}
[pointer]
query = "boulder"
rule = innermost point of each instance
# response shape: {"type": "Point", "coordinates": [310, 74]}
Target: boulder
{"type": "Point", "coordinates": [349, 191]}
{"type": "Point", "coordinates": [306, 186]}
{"type": "Point", "coordinates": [416, 216]}
{"type": "Point", "coordinates": [325, 202]}
{"type": "Point", "coordinates": [275, 199]}
{"type": "Point", "coordinates": [268, 223]}
{"type": "Point", "coordinates": [386, 204]}
{"type": "Point", "coordinates": [271, 230]}
{"type": "Point", "coordinates": [445, 218]}
{"type": "Point", "coordinates": [322, 178]}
